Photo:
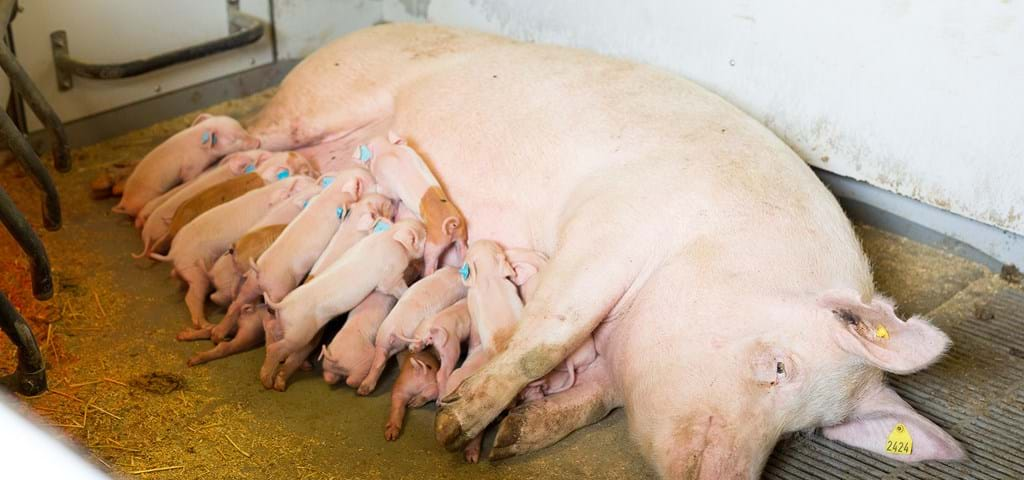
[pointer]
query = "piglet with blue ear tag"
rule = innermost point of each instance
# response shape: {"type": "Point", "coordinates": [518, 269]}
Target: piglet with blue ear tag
{"type": "Point", "coordinates": [359, 221]}
{"type": "Point", "coordinates": [157, 224]}
{"type": "Point", "coordinates": [280, 269]}
{"type": "Point", "coordinates": [376, 263]}
{"type": "Point", "coordinates": [203, 240]}
{"type": "Point", "coordinates": [401, 173]}
{"type": "Point", "coordinates": [183, 157]}
{"type": "Point", "coordinates": [269, 169]}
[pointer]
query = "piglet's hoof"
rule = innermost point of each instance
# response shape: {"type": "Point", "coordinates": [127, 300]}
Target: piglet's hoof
{"type": "Point", "coordinates": [191, 334]}
{"type": "Point", "coordinates": [448, 430]}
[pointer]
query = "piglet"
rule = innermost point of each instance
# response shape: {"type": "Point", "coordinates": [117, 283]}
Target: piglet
{"type": "Point", "coordinates": [363, 216]}
{"type": "Point", "coordinates": [212, 233]}
{"type": "Point", "coordinates": [491, 275]}
{"type": "Point", "coordinates": [424, 299]}
{"type": "Point", "coordinates": [269, 171]}
{"type": "Point", "coordinates": [251, 246]}
{"type": "Point", "coordinates": [415, 386]}
{"type": "Point", "coordinates": [445, 333]}
{"type": "Point", "coordinates": [177, 160]}
{"type": "Point", "coordinates": [225, 280]}
{"type": "Point", "coordinates": [157, 223]}
{"type": "Point", "coordinates": [152, 205]}
{"type": "Point", "coordinates": [249, 336]}
{"type": "Point", "coordinates": [257, 240]}
{"type": "Point", "coordinates": [280, 269]}
{"type": "Point", "coordinates": [378, 262]}
{"type": "Point", "coordinates": [350, 352]}
{"type": "Point", "coordinates": [401, 173]}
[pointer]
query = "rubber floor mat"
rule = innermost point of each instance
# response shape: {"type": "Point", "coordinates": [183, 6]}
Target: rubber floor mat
{"type": "Point", "coordinates": [976, 393]}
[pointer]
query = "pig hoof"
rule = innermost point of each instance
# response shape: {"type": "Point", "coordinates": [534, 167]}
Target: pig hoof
{"type": "Point", "coordinates": [280, 383]}
{"type": "Point", "coordinates": [509, 433]}
{"type": "Point", "coordinates": [391, 432]}
{"type": "Point", "coordinates": [448, 430]}
{"type": "Point", "coordinates": [472, 455]}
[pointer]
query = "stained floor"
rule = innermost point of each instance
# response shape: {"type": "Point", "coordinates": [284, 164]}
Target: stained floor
{"type": "Point", "coordinates": [121, 389]}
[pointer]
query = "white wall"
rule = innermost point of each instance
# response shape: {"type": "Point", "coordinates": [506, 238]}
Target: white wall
{"type": "Point", "coordinates": [921, 97]}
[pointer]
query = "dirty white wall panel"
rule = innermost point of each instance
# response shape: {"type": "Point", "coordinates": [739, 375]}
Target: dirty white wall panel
{"type": "Point", "coordinates": [920, 97]}
{"type": "Point", "coordinates": [302, 26]}
{"type": "Point", "coordinates": [120, 30]}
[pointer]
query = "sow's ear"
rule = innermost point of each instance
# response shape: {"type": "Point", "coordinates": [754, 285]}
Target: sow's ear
{"type": "Point", "coordinates": [884, 424]}
{"type": "Point", "coordinates": [874, 333]}
{"type": "Point", "coordinates": [409, 239]}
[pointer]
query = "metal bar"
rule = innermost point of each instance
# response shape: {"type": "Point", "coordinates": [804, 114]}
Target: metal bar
{"type": "Point", "coordinates": [249, 30]}
{"type": "Point", "coordinates": [42, 282]}
{"type": "Point", "coordinates": [30, 376]}
{"type": "Point", "coordinates": [8, 10]}
{"type": "Point", "coordinates": [23, 84]}
{"type": "Point", "coordinates": [22, 149]}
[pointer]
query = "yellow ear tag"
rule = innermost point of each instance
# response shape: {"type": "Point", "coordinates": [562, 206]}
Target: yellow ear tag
{"type": "Point", "coordinates": [899, 441]}
{"type": "Point", "coordinates": [881, 332]}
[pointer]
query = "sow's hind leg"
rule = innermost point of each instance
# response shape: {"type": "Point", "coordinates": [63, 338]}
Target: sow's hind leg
{"type": "Point", "coordinates": [540, 423]}
{"type": "Point", "coordinates": [581, 284]}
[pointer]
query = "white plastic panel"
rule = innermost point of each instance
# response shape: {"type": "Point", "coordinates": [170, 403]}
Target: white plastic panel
{"type": "Point", "coordinates": [101, 31]}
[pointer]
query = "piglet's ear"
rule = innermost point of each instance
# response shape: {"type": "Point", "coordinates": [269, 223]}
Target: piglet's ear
{"type": "Point", "coordinates": [409, 239]}
{"type": "Point", "coordinates": [525, 264]}
{"type": "Point", "coordinates": [263, 156]}
{"type": "Point", "coordinates": [237, 163]}
{"type": "Point", "coordinates": [450, 225]}
{"type": "Point", "coordinates": [884, 424]}
{"type": "Point", "coordinates": [874, 333]}
{"type": "Point", "coordinates": [356, 185]}
{"type": "Point", "coordinates": [394, 139]}
{"type": "Point", "coordinates": [365, 222]}
{"type": "Point", "coordinates": [201, 118]}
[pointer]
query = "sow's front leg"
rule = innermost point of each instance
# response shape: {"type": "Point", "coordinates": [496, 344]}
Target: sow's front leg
{"type": "Point", "coordinates": [585, 279]}
{"type": "Point", "coordinates": [539, 424]}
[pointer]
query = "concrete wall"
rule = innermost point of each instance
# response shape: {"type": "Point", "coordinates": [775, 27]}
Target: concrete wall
{"type": "Point", "coordinates": [920, 97]}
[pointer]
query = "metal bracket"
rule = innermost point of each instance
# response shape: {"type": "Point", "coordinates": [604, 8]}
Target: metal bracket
{"type": "Point", "coordinates": [243, 30]}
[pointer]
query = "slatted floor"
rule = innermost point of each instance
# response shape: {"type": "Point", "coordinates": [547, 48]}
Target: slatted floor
{"type": "Point", "coordinates": [976, 393]}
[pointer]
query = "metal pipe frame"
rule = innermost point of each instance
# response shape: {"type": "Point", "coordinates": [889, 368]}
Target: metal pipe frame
{"type": "Point", "coordinates": [43, 111]}
{"type": "Point", "coordinates": [30, 376]}
{"type": "Point", "coordinates": [244, 30]}
{"type": "Point", "coordinates": [23, 152]}
{"type": "Point", "coordinates": [14, 221]}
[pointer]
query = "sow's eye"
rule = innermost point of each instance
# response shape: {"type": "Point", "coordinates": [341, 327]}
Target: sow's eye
{"type": "Point", "coordinates": [772, 366]}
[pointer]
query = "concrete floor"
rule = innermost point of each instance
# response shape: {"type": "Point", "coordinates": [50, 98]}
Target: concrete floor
{"type": "Point", "coordinates": [114, 318]}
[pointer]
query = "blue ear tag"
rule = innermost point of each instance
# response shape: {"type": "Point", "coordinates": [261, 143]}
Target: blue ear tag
{"type": "Point", "coordinates": [283, 174]}
{"type": "Point", "coordinates": [341, 212]}
{"type": "Point", "coordinates": [213, 139]}
{"type": "Point", "coordinates": [305, 204]}
{"type": "Point", "coordinates": [464, 271]}
{"type": "Point", "coordinates": [327, 181]}
{"type": "Point", "coordinates": [365, 154]}
{"type": "Point", "coordinates": [250, 168]}
{"type": "Point", "coordinates": [381, 227]}
{"type": "Point", "coordinates": [206, 137]}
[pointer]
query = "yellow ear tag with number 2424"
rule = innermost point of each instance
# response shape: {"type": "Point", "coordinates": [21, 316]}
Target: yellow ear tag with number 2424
{"type": "Point", "coordinates": [899, 441]}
